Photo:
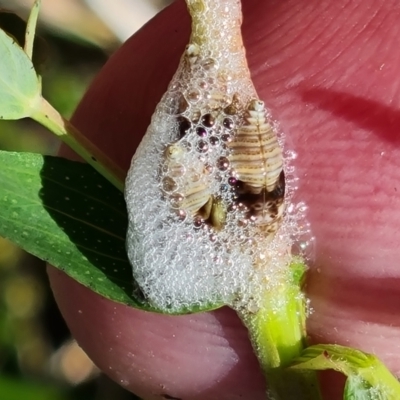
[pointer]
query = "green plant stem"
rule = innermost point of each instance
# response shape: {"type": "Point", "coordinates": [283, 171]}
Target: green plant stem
{"type": "Point", "coordinates": [31, 28]}
{"type": "Point", "coordinates": [277, 332]}
{"type": "Point", "coordinates": [49, 117]}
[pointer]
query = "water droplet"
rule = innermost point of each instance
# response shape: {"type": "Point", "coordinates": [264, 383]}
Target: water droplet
{"type": "Point", "coordinates": [202, 146]}
{"type": "Point", "coordinates": [208, 169]}
{"type": "Point", "coordinates": [194, 176]}
{"type": "Point", "coordinates": [214, 140]}
{"type": "Point", "coordinates": [202, 132]}
{"type": "Point", "coordinates": [305, 247]}
{"type": "Point", "coordinates": [290, 155]}
{"type": "Point", "coordinates": [243, 222]}
{"type": "Point", "coordinates": [211, 81]}
{"type": "Point", "coordinates": [198, 222]}
{"type": "Point", "coordinates": [223, 164]}
{"type": "Point", "coordinates": [301, 207]}
{"type": "Point", "coordinates": [232, 208]}
{"type": "Point", "coordinates": [186, 145]}
{"type": "Point", "coordinates": [182, 215]}
{"type": "Point", "coordinates": [176, 200]}
{"type": "Point", "coordinates": [226, 138]}
{"type": "Point", "coordinates": [232, 180]}
{"type": "Point", "coordinates": [176, 170]}
{"type": "Point", "coordinates": [194, 96]}
{"type": "Point", "coordinates": [169, 185]}
{"type": "Point", "coordinates": [188, 238]}
{"type": "Point", "coordinates": [228, 123]}
{"type": "Point", "coordinates": [208, 120]}
{"type": "Point", "coordinates": [203, 85]}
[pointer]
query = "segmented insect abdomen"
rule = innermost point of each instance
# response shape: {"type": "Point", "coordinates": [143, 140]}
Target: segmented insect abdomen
{"type": "Point", "coordinates": [197, 194]}
{"type": "Point", "coordinates": [187, 188]}
{"type": "Point", "coordinates": [255, 152]}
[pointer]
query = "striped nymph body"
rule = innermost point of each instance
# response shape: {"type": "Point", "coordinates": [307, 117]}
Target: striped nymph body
{"type": "Point", "coordinates": [257, 162]}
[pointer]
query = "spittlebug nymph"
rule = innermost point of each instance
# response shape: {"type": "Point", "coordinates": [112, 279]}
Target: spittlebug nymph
{"type": "Point", "coordinates": [184, 180]}
{"type": "Point", "coordinates": [253, 155]}
{"type": "Point", "coordinates": [257, 162]}
{"type": "Point", "coordinates": [186, 185]}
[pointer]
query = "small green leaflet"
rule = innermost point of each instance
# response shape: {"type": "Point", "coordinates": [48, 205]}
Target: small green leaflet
{"type": "Point", "coordinates": [67, 214]}
{"type": "Point", "coordinates": [367, 377]}
{"type": "Point", "coordinates": [20, 88]}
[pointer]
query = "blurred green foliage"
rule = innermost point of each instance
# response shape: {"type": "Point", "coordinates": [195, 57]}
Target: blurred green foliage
{"type": "Point", "coordinates": [32, 331]}
{"type": "Point", "coordinates": [15, 389]}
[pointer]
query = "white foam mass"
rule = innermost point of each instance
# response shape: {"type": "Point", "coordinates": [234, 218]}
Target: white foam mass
{"type": "Point", "coordinates": [179, 258]}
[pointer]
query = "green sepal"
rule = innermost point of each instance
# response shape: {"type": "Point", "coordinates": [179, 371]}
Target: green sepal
{"type": "Point", "coordinates": [367, 377]}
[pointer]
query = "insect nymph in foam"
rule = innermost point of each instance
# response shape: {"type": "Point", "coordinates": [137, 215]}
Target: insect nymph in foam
{"type": "Point", "coordinates": [249, 167]}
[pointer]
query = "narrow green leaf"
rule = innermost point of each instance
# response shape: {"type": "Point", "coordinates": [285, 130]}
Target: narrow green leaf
{"type": "Point", "coordinates": [20, 89]}
{"type": "Point", "coordinates": [31, 28]}
{"type": "Point", "coordinates": [65, 213]}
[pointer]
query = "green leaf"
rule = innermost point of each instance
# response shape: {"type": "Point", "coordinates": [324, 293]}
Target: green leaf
{"type": "Point", "coordinates": [20, 89]}
{"type": "Point", "coordinates": [65, 213]}
{"type": "Point", "coordinates": [368, 378]}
